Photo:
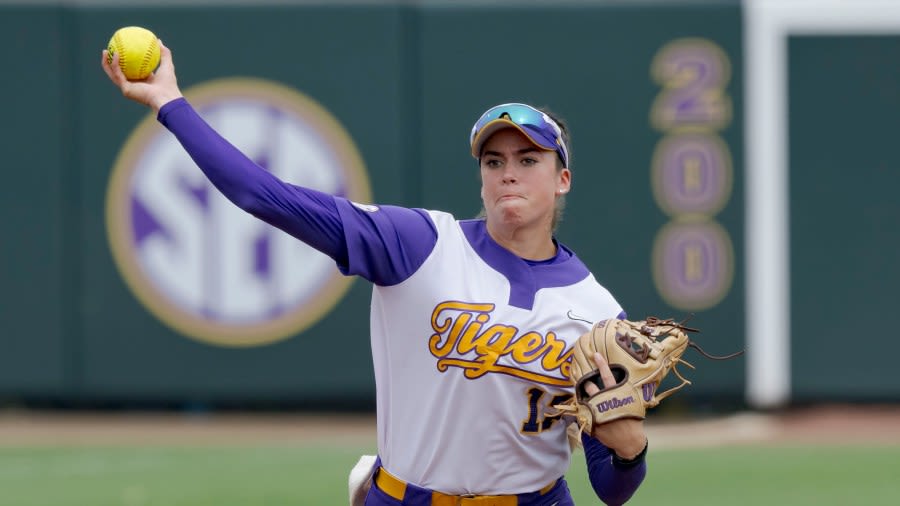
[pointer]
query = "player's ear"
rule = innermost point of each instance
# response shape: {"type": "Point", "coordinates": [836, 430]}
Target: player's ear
{"type": "Point", "coordinates": [564, 178]}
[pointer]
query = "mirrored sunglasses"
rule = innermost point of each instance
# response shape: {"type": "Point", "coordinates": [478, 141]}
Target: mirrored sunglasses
{"type": "Point", "coordinates": [536, 125]}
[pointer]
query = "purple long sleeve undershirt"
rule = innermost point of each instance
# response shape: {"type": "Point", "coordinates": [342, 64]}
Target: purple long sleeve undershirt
{"type": "Point", "coordinates": [613, 483]}
{"type": "Point", "coordinates": [384, 247]}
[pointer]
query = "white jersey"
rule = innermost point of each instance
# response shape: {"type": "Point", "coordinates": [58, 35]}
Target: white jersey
{"type": "Point", "coordinates": [468, 364]}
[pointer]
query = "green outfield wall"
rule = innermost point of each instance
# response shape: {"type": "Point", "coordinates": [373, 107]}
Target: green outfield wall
{"type": "Point", "coordinates": [845, 214]}
{"type": "Point", "coordinates": [126, 278]}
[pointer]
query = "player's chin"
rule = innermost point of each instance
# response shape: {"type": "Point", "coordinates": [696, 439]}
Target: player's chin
{"type": "Point", "coordinates": [514, 221]}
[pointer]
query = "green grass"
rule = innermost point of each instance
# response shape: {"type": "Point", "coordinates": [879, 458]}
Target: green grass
{"type": "Point", "coordinates": [316, 475]}
{"type": "Point", "coordinates": [822, 476]}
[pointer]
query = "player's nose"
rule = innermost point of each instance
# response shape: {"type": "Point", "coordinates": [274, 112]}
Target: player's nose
{"type": "Point", "coordinates": [509, 174]}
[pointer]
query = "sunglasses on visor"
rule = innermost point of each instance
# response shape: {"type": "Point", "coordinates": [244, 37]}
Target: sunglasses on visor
{"type": "Point", "coordinates": [538, 126]}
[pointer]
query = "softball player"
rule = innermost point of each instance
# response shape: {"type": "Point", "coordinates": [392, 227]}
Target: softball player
{"type": "Point", "coordinates": [471, 321]}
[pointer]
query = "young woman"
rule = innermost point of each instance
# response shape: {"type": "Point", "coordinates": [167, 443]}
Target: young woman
{"type": "Point", "coordinates": [471, 322]}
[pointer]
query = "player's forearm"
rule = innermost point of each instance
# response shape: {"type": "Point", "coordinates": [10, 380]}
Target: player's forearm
{"type": "Point", "coordinates": [613, 482]}
{"type": "Point", "coordinates": [230, 171]}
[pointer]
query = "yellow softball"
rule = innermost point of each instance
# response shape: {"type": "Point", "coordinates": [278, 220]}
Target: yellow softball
{"type": "Point", "coordinates": [138, 50]}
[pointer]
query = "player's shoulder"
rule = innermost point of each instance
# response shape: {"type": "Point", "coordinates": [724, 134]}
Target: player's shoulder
{"type": "Point", "coordinates": [446, 222]}
{"type": "Point", "coordinates": [446, 226]}
{"type": "Point", "coordinates": [589, 284]}
{"type": "Point", "coordinates": [606, 303]}
{"type": "Point", "coordinates": [594, 302]}
{"type": "Point", "coordinates": [443, 216]}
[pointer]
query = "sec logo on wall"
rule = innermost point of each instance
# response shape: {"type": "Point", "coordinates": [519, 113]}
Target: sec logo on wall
{"type": "Point", "coordinates": [199, 263]}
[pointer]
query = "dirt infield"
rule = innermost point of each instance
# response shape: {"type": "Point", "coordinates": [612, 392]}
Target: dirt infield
{"type": "Point", "coordinates": [847, 424]}
{"type": "Point", "coordinates": [79, 428]}
{"type": "Point", "coordinates": [823, 424]}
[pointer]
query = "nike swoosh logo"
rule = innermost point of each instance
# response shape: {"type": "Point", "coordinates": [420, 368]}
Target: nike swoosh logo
{"type": "Point", "coordinates": [573, 316]}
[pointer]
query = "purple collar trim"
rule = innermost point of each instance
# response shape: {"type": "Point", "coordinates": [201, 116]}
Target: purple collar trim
{"type": "Point", "coordinates": [524, 280]}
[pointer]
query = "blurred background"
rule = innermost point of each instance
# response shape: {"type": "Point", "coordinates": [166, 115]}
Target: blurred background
{"type": "Point", "coordinates": [744, 153]}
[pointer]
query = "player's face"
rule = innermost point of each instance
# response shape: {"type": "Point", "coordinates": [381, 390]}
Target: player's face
{"type": "Point", "coordinates": [519, 182]}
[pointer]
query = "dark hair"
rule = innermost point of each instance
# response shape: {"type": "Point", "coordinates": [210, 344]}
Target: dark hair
{"type": "Point", "coordinates": [560, 199]}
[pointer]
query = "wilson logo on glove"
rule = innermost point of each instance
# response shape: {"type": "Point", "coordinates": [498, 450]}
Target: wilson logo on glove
{"type": "Point", "coordinates": [640, 354]}
{"type": "Point", "coordinates": [614, 403]}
